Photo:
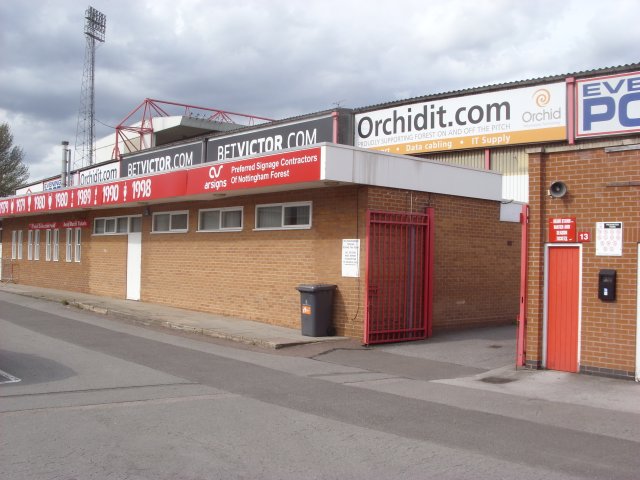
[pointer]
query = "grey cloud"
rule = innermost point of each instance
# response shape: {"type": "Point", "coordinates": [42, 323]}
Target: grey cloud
{"type": "Point", "coordinates": [285, 58]}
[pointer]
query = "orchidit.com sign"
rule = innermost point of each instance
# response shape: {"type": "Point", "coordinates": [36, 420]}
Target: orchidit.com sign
{"type": "Point", "coordinates": [486, 120]}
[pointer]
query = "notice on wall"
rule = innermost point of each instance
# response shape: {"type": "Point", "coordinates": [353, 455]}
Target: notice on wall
{"type": "Point", "coordinates": [609, 239]}
{"type": "Point", "coordinates": [351, 258]}
{"type": "Point", "coordinates": [562, 230]}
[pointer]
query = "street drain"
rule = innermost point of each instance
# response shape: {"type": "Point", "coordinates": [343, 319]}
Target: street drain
{"type": "Point", "coordinates": [497, 380]}
{"type": "Point", "coordinates": [494, 346]}
{"type": "Point", "coordinates": [7, 378]}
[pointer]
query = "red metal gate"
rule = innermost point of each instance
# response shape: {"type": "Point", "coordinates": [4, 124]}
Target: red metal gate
{"type": "Point", "coordinates": [399, 272]}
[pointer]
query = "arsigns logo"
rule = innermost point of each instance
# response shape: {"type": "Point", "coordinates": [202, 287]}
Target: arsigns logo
{"type": "Point", "coordinates": [215, 172]}
{"type": "Point", "coordinates": [216, 184]}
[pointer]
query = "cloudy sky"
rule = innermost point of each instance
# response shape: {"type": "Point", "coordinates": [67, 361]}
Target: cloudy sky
{"type": "Point", "coordinates": [281, 58]}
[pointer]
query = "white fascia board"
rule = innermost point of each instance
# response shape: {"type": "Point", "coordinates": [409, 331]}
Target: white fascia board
{"type": "Point", "coordinates": [368, 167]}
{"type": "Point", "coordinates": [163, 123]}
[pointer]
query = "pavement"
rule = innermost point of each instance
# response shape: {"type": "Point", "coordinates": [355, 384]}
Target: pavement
{"type": "Point", "coordinates": [149, 314]}
{"type": "Point", "coordinates": [481, 359]}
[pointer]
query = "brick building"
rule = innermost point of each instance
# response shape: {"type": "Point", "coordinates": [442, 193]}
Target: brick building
{"type": "Point", "coordinates": [241, 250]}
{"type": "Point", "coordinates": [585, 126]}
{"type": "Point", "coordinates": [429, 199]}
{"type": "Point", "coordinates": [570, 326]}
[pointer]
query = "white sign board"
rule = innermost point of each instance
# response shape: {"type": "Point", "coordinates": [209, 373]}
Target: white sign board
{"type": "Point", "coordinates": [608, 105]}
{"type": "Point", "coordinates": [485, 120]}
{"type": "Point", "coordinates": [609, 239]}
{"type": "Point", "coordinates": [351, 258]}
{"type": "Point", "coordinates": [38, 187]}
{"type": "Point", "coordinates": [100, 174]}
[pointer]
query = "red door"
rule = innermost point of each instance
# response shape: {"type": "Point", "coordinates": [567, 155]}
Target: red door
{"type": "Point", "coordinates": [563, 298]}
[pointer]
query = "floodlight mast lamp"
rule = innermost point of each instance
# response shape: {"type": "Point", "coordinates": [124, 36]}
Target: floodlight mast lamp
{"type": "Point", "coordinates": [94, 30]}
{"type": "Point", "coordinates": [96, 25]}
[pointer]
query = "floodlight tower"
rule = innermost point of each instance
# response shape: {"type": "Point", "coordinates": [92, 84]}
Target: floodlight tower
{"type": "Point", "coordinates": [94, 30]}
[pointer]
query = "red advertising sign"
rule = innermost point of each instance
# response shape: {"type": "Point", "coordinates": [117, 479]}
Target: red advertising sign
{"type": "Point", "coordinates": [562, 230]}
{"type": "Point", "coordinates": [280, 169]}
{"type": "Point", "coordinates": [140, 189]}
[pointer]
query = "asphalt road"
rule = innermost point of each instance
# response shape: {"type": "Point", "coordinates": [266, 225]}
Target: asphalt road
{"type": "Point", "coordinates": [100, 399]}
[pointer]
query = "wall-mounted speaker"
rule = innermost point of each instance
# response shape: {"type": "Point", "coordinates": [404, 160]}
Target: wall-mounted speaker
{"type": "Point", "coordinates": [558, 189]}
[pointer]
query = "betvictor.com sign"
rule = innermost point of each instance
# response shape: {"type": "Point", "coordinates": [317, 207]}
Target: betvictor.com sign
{"type": "Point", "coordinates": [269, 140]}
{"type": "Point", "coordinates": [164, 160]}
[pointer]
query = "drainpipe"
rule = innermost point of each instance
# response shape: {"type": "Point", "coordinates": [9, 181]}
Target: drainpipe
{"type": "Point", "coordinates": [571, 110]}
{"type": "Point", "coordinates": [522, 316]}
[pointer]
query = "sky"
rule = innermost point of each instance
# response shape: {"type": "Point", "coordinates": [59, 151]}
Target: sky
{"type": "Point", "coordinates": [283, 58]}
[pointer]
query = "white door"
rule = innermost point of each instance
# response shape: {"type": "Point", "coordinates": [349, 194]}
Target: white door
{"type": "Point", "coordinates": [134, 265]}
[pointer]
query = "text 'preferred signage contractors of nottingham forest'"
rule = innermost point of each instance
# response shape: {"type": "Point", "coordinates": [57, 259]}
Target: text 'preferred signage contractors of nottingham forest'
{"type": "Point", "coordinates": [269, 140]}
{"type": "Point", "coordinates": [164, 160]}
{"type": "Point", "coordinates": [280, 169]}
{"type": "Point", "coordinates": [608, 105]}
{"type": "Point", "coordinates": [507, 117]}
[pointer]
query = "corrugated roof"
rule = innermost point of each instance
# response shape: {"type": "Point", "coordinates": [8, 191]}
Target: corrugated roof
{"type": "Point", "coordinates": [502, 86]}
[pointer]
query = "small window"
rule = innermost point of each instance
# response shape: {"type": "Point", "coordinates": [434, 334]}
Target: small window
{"type": "Point", "coordinates": [98, 226]}
{"type": "Point", "coordinates": [220, 219]}
{"type": "Point", "coordinates": [112, 225]}
{"type": "Point", "coordinates": [48, 246]}
{"type": "Point", "coordinates": [14, 244]}
{"type": "Point", "coordinates": [56, 245]}
{"type": "Point", "coordinates": [109, 225]}
{"type": "Point", "coordinates": [122, 225]}
{"type": "Point", "coordinates": [135, 224]}
{"type": "Point", "coordinates": [36, 245]}
{"type": "Point", "coordinates": [297, 215]}
{"type": "Point", "coordinates": [170, 222]}
{"type": "Point", "coordinates": [161, 222]}
{"type": "Point", "coordinates": [30, 245]}
{"type": "Point", "coordinates": [19, 244]}
{"type": "Point", "coordinates": [283, 216]}
{"type": "Point", "coordinates": [269, 217]}
{"type": "Point", "coordinates": [78, 249]}
{"type": "Point", "coordinates": [179, 221]}
{"type": "Point", "coordinates": [69, 245]}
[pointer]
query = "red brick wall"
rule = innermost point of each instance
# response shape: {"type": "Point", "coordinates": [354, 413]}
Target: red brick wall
{"type": "Point", "coordinates": [253, 274]}
{"type": "Point", "coordinates": [59, 274]}
{"type": "Point", "coordinates": [477, 257]}
{"type": "Point", "coordinates": [608, 329]}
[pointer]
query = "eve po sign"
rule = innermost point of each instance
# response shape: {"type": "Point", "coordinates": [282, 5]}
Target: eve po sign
{"type": "Point", "coordinates": [562, 230]}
